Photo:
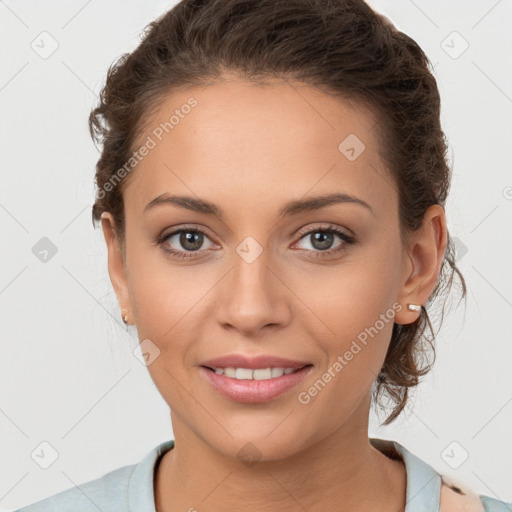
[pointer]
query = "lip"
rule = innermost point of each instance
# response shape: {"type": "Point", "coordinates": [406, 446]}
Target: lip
{"type": "Point", "coordinates": [254, 391]}
{"type": "Point", "coordinates": [257, 362]}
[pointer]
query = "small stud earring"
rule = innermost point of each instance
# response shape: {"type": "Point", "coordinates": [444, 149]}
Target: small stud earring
{"type": "Point", "coordinates": [413, 307]}
{"type": "Point", "coordinates": [125, 318]}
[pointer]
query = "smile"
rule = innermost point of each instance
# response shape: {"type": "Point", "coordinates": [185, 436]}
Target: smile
{"type": "Point", "coordinates": [255, 374]}
{"type": "Point", "coordinates": [254, 385]}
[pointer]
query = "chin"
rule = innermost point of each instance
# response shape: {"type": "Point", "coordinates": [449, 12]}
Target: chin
{"type": "Point", "coordinates": [258, 443]}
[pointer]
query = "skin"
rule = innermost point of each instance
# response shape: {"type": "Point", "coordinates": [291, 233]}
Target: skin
{"type": "Point", "coordinates": [249, 149]}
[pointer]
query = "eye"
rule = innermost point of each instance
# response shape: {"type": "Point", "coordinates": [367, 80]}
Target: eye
{"type": "Point", "coordinates": [184, 242]}
{"type": "Point", "coordinates": [188, 242]}
{"type": "Point", "coordinates": [321, 240]}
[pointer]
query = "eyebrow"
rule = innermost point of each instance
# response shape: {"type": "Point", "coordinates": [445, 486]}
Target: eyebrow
{"type": "Point", "coordinates": [290, 208]}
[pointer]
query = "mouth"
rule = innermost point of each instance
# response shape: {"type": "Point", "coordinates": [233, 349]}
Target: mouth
{"type": "Point", "coordinates": [254, 385]}
{"type": "Point", "coordinates": [254, 373]}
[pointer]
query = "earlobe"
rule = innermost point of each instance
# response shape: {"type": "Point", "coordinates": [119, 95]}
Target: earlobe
{"type": "Point", "coordinates": [116, 264]}
{"type": "Point", "coordinates": [426, 254]}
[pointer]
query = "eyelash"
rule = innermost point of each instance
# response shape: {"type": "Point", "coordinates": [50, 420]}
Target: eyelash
{"type": "Point", "coordinates": [330, 229]}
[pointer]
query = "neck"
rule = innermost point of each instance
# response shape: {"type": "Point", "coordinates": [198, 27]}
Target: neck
{"type": "Point", "coordinates": [341, 471]}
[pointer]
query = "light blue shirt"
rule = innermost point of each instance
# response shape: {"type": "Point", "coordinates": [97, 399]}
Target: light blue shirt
{"type": "Point", "coordinates": [130, 488]}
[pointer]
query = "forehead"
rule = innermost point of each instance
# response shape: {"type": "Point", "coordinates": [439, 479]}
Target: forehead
{"type": "Point", "coordinates": [260, 143]}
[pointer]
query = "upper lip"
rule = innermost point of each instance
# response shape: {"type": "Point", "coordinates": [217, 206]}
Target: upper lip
{"type": "Point", "coordinates": [263, 361]}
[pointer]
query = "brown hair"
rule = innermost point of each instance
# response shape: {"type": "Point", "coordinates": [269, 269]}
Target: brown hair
{"type": "Point", "coordinates": [341, 47]}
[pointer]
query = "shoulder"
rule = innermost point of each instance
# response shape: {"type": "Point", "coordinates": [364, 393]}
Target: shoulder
{"type": "Point", "coordinates": [107, 493]}
{"type": "Point", "coordinates": [455, 498]}
{"type": "Point", "coordinates": [123, 489]}
{"type": "Point", "coordinates": [429, 489]}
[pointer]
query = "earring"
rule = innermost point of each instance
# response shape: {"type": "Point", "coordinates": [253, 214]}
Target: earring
{"type": "Point", "coordinates": [125, 318]}
{"type": "Point", "coordinates": [413, 307]}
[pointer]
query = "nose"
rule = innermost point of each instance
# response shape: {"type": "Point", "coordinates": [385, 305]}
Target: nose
{"type": "Point", "coordinates": [253, 297]}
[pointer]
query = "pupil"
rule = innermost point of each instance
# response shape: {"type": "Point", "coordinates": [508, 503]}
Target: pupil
{"type": "Point", "coordinates": [322, 240]}
{"type": "Point", "coordinates": [191, 238]}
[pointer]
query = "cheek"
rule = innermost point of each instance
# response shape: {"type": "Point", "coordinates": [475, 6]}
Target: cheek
{"type": "Point", "coordinates": [169, 304]}
{"type": "Point", "coordinates": [350, 314]}
{"type": "Point", "coordinates": [165, 300]}
{"type": "Point", "coordinates": [159, 291]}
{"type": "Point", "coordinates": [351, 296]}
{"type": "Point", "coordinates": [355, 329]}
{"type": "Point", "coordinates": [354, 347]}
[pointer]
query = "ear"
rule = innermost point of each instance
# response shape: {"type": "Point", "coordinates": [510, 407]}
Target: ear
{"type": "Point", "coordinates": [426, 253]}
{"type": "Point", "coordinates": [116, 264]}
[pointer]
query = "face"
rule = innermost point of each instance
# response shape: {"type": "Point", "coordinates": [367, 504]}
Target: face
{"type": "Point", "coordinates": [260, 277]}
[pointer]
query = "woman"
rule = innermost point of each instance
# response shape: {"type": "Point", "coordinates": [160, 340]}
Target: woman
{"type": "Point", "coordinates": [271, 190]}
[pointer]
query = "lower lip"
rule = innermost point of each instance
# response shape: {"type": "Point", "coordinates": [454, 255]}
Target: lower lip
{"type": "Point", "coordinates": [254, 391]}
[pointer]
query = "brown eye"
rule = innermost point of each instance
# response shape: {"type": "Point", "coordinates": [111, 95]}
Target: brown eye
{"type": "Point", "coordinates": [321, 242]}
{"type": "Point", "coordinates": [191, 240]}
{"type": "Point", "coordinates": [185, 242]}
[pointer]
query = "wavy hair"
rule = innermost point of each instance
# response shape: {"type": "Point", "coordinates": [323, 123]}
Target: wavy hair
{"type": "Point", "coordinates": [341, 47]}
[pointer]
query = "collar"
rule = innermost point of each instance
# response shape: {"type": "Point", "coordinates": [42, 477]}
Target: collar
{"type": "Point", "coordinates": [423, 489]}
{"type": "Point", "coordinates": [423, 481]}
{"type": "Point", "coordinates": [141, 494]}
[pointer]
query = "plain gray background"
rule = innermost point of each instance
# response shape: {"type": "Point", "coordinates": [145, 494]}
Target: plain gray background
{"type": "Point", "coordinates": [69, 375]}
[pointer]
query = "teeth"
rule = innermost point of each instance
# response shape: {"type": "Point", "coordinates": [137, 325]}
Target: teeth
{"type": "Point", "coordinates": [257, 374]}
{"type": "Point", "coordinates": [266, 373]}
{"type": "Point", "coordinates": [228, 372]}
{"type": "Point", "coordinates": [243, 373]}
